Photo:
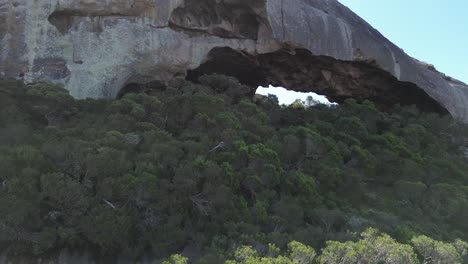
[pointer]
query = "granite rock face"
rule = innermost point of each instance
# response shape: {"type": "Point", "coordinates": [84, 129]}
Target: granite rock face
{"type": "Point", "coordinates": [96, 48]}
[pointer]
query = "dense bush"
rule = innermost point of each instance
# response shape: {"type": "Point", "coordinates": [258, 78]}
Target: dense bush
{"type": "Point", "coordinates": [204, 168]}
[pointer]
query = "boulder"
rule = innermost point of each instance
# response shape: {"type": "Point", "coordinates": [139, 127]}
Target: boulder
{"type": "Point", "coordinates": [97, 48]}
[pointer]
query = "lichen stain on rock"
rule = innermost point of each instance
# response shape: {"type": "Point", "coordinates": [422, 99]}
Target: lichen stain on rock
{"type": "Point", "coordinates": [51, 68]}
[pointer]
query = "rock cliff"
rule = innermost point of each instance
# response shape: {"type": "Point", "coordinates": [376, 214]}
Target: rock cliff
{"type": "Point", "coordinates": [96, 48]}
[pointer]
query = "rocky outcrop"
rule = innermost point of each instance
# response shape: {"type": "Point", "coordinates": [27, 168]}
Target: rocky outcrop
{"type": "Point", "coordinates": [96, 48]}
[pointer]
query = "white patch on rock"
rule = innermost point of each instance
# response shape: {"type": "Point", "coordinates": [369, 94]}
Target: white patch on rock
{"type": "Point", "coordinates": [347, 38]}
{"type": "Point", "coordinates": [396, 65]}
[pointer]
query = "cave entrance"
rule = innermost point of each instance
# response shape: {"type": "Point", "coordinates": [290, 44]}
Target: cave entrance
{"type": "Point", "coordinates": [141, 87]}
{"type": "Point", "coordinates": [287, 97]}
{"type": "Point", "coordinates": [301, 71]}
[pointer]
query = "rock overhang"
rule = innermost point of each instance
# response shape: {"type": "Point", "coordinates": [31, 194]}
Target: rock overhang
{"type": "Point", "coordinates": [94, 48]}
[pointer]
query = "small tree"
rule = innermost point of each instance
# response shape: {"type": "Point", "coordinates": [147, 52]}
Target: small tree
{"type": "Point", "coordinates": [432, 251]}
{"type": "Point", "coordinates": [374, 247]}
{"type": "Point", "coordinates": [53, 102]}
{"type": "Point", "coordinates": [300, 253]}
{"type": "Point", "coordinates": [298, 104]}
{"type": "Point", "coordinates": [176, 259]}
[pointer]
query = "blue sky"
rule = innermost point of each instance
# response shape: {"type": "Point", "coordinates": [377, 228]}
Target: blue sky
{"type": "Point", "coordinates": [433, 31]}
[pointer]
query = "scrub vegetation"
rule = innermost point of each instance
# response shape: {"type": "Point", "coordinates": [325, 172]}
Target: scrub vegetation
{"type": "Point", "coordinates": [206, 172]}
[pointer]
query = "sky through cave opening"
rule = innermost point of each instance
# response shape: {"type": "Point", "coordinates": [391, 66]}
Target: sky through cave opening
{"type": "Point", "coordinates": [287, 97]}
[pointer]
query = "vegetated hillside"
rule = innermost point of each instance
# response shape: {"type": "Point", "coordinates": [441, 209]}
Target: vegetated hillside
{"type": "Point", "coordinates": [205, 170]}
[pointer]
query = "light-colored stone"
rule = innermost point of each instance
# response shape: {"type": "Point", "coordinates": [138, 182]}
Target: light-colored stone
{"type": "Point", "coordinates": [94, 48]}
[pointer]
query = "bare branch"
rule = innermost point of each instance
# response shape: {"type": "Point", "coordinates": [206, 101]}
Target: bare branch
{"type": "Point", "coordinates": [221, 145]}
{"type": "Point", "coordinates": [110, 204]}
{"type": "Point", "coordinates": [202, 204]}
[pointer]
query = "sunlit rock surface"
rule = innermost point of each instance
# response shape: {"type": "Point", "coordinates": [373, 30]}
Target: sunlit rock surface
{"type": "Point", "coordinates": [95, 48]}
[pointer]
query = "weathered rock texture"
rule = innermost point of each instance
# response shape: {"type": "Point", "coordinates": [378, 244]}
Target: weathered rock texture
{"type": "Point", "coordinates": [95, 48]}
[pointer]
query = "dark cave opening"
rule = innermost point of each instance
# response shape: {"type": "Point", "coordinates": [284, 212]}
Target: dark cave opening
{"type": "Point", "coordinates": [62, 20]}
{"type": "Point", "coordinates": [134, 87]}
{"type": "Point", "coordinates": [243, 66]}
{"type": "Point", "coordinates": [299, 70]}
